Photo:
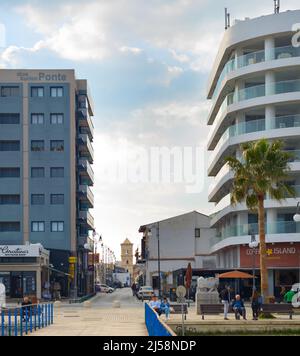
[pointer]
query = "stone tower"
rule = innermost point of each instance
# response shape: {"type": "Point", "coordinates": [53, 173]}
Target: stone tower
{"type": "Point", "coordinates": [127, 256]}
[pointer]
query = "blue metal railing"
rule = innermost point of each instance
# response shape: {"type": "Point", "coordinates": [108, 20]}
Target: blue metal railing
{"type": "Point", "coordinates": [24, 320]}
{"type": "Point", "coordinates": [154, 326]}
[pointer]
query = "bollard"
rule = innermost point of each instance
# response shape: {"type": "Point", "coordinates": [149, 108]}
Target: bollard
{"type": "Point", "coordinates": [87, 304]}
{"type": "Point", "coordinates": [116, 304]}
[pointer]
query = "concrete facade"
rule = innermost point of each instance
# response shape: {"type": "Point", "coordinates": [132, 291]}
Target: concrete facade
{"type": "Point", "coordinates": [54, 132]}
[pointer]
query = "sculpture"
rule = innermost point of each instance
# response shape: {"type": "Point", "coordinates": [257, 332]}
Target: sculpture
{"type": "Point", "coordinates": [207, 292]}
{"type": "Point", "coordinates": [2, 296]}
{"type": "Point", "coordinates": [207, 284]}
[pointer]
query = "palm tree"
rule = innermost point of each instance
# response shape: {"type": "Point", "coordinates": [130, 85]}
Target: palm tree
{"type": "Point", "coordinates": [263, 169]}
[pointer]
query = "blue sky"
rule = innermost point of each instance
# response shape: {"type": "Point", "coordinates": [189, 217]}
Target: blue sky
{"type": "Point", "coordinates": [147, 63]}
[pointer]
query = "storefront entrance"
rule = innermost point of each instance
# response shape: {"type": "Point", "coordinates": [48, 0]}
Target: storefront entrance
{"type": "Point", "coordinates": [19, 284]}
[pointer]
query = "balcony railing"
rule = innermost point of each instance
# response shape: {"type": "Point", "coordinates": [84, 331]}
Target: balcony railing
{"type": "Point", "coordinates": [256, 57]}
{"type": "Point", "coordinates": [88, 168]}
{"type": "Point", "coordinates": [85, 190]}
{"type": "Point", "coordinates": [278, 227]}
{"type": "Point", "coordinates": [86, 215]}
{"type": "Point", "coordinates": [88, 148]}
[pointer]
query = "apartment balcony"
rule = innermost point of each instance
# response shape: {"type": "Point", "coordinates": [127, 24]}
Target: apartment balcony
{"type": "Point", "coordinates": [85, 121]}
{"type": "Point", "coordinates": [277, 53]}
{"type": "Point", "coordinates": [86, 170]}
{"type": "Point", "coordinates": [86, 195]}
{"type": "Point", "coordinates": [86, 219]}
{"type": "Point", "coordinates": [278, 231]}
{"type": "Point", "coordinates": [85, 147]}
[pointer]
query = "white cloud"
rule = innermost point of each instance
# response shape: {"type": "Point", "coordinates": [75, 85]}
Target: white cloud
{"type": "Point", "coordinates": [133, 50]}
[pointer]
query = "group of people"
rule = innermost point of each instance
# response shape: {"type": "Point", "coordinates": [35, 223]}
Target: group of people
{"type": "Point", "coordinates": [161, 306]}
{"type": "Point", "coordinates": [238, 305]}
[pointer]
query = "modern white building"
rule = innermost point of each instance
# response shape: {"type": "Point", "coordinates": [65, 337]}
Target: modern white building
{"type": "Point", "coordinates": [174, 243]}
{"type": "Point", "coordinates": [255, 92]}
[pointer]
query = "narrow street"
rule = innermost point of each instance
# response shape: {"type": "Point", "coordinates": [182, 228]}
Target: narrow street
{"type": "Point", "coordinates": [100, 319]}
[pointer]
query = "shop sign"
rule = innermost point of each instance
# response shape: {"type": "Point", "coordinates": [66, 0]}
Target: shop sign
{"type": "Point", "coordinates": [20, 250]}
{"type": "Point", "coordinates": [277, 255]}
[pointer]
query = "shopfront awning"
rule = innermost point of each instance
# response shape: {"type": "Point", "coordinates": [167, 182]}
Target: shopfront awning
{"type": "Point", "coordinates": [59, 272]}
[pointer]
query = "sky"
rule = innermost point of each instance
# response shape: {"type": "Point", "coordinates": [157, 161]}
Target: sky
{"type": "Point", "coordinates": [147, 63]}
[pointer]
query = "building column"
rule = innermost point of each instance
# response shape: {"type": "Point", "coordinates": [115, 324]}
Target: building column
{"type": "Point", "coordinates": [238, 53]}
{"type": "Point", "coordinates": [270, 114]}
{"type": "Point", "coordinates": [271, 221]}
{"type": "Point", "coordinates": [240, 123]}
{"type": "Point", "coordinates": [269, 48]}
{"type": "Point", "coordinates": [38, 284]}
{"type": "Point", "coordinates": [270, 82]}
{"type": "Point", "coordinates": [270, 282]}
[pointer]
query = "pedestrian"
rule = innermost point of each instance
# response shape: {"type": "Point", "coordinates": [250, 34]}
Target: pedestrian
{"type": "Point", "coordinates": [133, 288]}
{"type": "Point", "coordinates": [165, 308]}
{"type": "Point", "coordinates": [255, 304]}
{"type": "Point", "coordinates": [282, 293]}
{"type": "Point", "coordinates": [26, 304]}
{"type": "Point", "coordinates": [155, 305]}
{"type": "Point", "coordinates": [225, 299]}
{"type": "Point", "coordinates": [239, 308]}
{"type": "Point", "coordinates": [288, 297]}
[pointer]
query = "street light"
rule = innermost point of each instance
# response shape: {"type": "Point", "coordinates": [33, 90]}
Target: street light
{"type": "Point", "coordinates": [253, 244]}
{"type": "Point", "coordinates": [297, 215]}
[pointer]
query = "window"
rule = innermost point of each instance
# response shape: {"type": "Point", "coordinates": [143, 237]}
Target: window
{"type": "Point", "coordinates": [57, 145]}
{"type": "Point", "coordinates": [37, 199]}
{"type": "Point", "coordinates": [9, 145]}
{"type": "Point", "coordinates": [9, 199]}
{"type": "Point", "coordinates": [37, 92]}
{"type": "Point", "coordinates": [197, 232]}
{"type": "Point", "coordinates": [37, 145]}
{"type": "Point", "coordinates": [57, 199]}
{"type": "Point", "coordinates": [56, 92]}
{"type": "Point", "coordinates": [38, 226]}
{"type": "Point", "coordinates": [9, 119]}
{"type": "Point", "coordinates": [9, 172]}
{"type": "Point", "coordinates": [37, 119]}
{"type": "Point", "coordinates": [37, 172]}
{"type": "Point", "coordinates": [11, 226]}
{"type": "Point", "coordinates": [57, 226]}
{"type": "Point", "coordinates": [57, 172]}
{"type": "Point", "coordinates": [57, 119]}
{"type": "Point", "coordinates": [9, 91]}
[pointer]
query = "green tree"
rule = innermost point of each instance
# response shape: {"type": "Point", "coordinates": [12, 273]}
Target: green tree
{"type": "Point", "coordinates": [262, 170]}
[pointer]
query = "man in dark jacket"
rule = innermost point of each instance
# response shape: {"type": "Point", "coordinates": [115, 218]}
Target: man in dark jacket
{"type": "Point", "coordinates": [26, 308]}
{"type": "Point", "coordinates": [225, 299]}
{"type": "Point", "coordinates": [239, 307]}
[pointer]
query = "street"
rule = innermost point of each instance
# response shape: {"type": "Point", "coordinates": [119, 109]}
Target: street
{"type": "Point", "coordinates": [123, 295]}
{"type": "Point", "coordinates": [100, 319]}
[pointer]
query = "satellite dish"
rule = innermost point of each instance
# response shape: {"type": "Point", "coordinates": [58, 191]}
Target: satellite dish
{"type": "Point", "coordinates": [181, 291]}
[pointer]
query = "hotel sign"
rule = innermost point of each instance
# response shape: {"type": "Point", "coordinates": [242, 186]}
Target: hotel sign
{"type": "Point", "coordinates": [20, 250]}
{"type": "Point", "coordinates": [42, 77]}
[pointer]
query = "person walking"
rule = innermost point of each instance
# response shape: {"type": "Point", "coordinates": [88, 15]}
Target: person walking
{"type": "Point", "coordinates": [255, 304]}
{"type": "Point", "coordinates": [133, 288]}
{"type": "Point", "coordinates": [239, 307]}
{"type": "Point", "coordinates": [26, 304]}
{"type": "Point", "coordinates": [225, 299]}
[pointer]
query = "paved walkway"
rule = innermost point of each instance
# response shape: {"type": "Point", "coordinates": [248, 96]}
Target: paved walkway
{"type": "Point", "coordinates": [101, 319]}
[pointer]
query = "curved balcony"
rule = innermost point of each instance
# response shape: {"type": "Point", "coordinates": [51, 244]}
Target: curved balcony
{"type": "Point", "coordinates": [224, 207]}
{"type": "Point", "coordinates": [277, 231]}
{"type": "Point", "coordinates": [277, 123]}
{"type": "Point", "coordinates": [254, 58]}
{"type": "Point", "coordinates": [221, 184]}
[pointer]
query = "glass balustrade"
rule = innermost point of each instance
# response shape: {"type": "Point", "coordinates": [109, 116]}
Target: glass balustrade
{"type": "Point", "coordinates": [256, 57]}
{"type": "Point", "coordinates": [277, 227]}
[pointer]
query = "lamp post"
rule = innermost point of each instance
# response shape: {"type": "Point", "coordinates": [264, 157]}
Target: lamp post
{"type": "Point", "coordinates": [158, 260]}
{"type": "Point", "coordinates": [297, 215]}
{"type": "Point", "coordinates": [253, 244]}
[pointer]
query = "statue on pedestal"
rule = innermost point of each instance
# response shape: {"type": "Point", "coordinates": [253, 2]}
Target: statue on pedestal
{"type": "Point", "coordinates": [207, 292]}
